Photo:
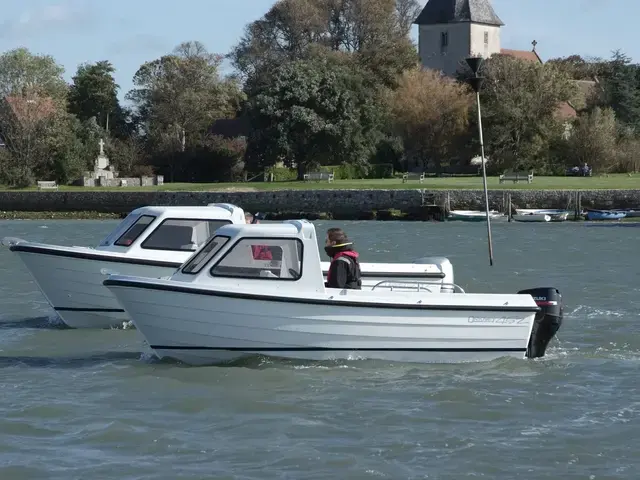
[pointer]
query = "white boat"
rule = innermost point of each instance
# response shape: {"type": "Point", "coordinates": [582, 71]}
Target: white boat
{"type": "Point", "coordinates": [223, 305]}
{"type": "Point", "coordinates": [154, 241]}
{"type": "Point", "coordinates": [473, 215]}
{"type": "Point", "coordinates": [556, 215]}
{"type": "Point", "coordinates": [532, 217]}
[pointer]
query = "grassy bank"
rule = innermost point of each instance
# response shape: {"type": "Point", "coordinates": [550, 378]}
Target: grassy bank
{"type": "Point", "coordinates": [610, 182]}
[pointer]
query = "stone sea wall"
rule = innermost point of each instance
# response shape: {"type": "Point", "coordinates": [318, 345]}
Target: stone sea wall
{"type": "Point", "coordinates": [335, 202]}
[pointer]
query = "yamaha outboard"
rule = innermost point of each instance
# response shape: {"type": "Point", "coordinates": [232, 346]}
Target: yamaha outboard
{"type": "Point", "coordinates": [547, 321]}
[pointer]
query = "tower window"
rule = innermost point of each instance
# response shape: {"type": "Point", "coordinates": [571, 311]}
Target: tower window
{"type": "Point", "coordinates": [486, 38]}
{"type": "Point", "coordinates": [444, 39]}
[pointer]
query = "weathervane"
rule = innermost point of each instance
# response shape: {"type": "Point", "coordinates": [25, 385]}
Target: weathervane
{"type": "Point", "coordinates": [534, 43]}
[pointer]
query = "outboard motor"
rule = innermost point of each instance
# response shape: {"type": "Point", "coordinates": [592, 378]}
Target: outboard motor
{"type": "Point", "coordinates": [547, 321]}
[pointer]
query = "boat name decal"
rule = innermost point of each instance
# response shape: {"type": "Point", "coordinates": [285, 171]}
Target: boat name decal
{"type": "Point", "coordinates": [498, 320]}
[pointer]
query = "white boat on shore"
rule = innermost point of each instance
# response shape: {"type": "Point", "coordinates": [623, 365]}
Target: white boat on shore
{"type": "Point", "coordinates": [555, 215]}
{"type": "Point", "coordinates": [154, 241]}
{"type": "Point", "coordinates": [473, 215]}
{"type": "Point", "coordinates": [532, 217]}
{"type": "Point", "coordinates": [223, 305]}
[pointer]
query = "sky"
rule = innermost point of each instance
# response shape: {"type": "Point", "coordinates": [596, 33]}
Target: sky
{"type": "Point", "coordinates": [131, 32]}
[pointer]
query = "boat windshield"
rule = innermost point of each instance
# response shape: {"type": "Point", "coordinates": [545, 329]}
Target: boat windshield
{"type": "Point", "coordinates": [122, 226]}
{"type": "Point", "coordinates": [200, 259]}
{"type": "Point", "coordinates": [264, 258]}
{"type": "Point", "coordinates": [134, 231]}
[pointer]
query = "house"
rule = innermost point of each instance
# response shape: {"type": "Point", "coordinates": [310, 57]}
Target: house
{"type": "Point", "coordinates": [451, 30]}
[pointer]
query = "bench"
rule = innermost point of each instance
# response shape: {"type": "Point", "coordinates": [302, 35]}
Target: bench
{"type": "Point", "coordinates": [412, 176]}
{"type": "Point", "coordinates": [516, 177]}
{"type": "Point", "coordinates": [47, 185]}
{"type": "Point", "coordinates": [317, 176]}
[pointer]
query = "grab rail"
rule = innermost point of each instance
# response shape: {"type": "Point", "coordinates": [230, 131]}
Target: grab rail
{"type": "Point", "coordinates": [420, 286]}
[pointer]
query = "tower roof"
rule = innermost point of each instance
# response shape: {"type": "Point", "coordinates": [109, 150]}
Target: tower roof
{"type": "Point", "coordinates": [458, 11]}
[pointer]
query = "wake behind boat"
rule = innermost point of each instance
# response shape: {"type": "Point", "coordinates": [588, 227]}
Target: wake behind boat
{"type": "Point", "coordinates": [223, 305]}
{"type": "Point", "coordinates": [154, 241]}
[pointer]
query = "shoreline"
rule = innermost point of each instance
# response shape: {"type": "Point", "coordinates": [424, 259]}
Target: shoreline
{"type": "Point", "coordinates": [410, 204]}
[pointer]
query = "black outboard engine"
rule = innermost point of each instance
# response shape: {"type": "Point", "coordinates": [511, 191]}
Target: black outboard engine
{"type": "Point", "coordinates": [547, 321]}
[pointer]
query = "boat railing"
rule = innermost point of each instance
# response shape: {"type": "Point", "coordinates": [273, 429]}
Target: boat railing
{"type": "Point", "coordinates": [419, 286]}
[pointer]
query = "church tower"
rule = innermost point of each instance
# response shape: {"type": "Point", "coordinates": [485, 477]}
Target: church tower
{"type": "Point", "coordinates": [452, 30]}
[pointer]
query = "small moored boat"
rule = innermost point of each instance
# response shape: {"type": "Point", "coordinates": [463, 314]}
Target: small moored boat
{"type": "Point", "coordinates": [555, 215]}
{"type": "Point", "coordinates": [473, 215]}
{"type": "Point", "coordinates": [532, 217]}
{"type": "Point", "coordinates": [605, 215]}
{"type": "Point", "coordinates": [223, 305]}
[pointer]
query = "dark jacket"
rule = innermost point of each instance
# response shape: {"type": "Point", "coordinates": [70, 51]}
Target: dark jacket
{"type": "Point", "coordinates": [344, 271]}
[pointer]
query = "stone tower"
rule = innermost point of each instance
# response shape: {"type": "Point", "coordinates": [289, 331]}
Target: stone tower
{"type": "Point", "coordinates": [451, 30]}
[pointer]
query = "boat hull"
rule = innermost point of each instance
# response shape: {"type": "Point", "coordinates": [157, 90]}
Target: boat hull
{"type": "Point", "coordinates": [594, 215]}
{"type": "Point", "coordinates": [472, 215]}
{"type": "Point", "coordinates": [73, 287]}
{"type": "Point", "coordinates": [72, 283]}
{"type": "Point", "coordinates": [204, 329]}
{"type": "Point", "coordinates": [532, 217]}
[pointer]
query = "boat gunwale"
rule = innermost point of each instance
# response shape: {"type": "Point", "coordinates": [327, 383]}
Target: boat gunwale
{"type": "Point", "coordinates": [121, 282]}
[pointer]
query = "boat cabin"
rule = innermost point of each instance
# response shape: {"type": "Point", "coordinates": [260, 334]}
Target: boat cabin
{"type": "Point", "coordinates": [272, 256]}
{"type": "Point", "coordinates": [153, 231]}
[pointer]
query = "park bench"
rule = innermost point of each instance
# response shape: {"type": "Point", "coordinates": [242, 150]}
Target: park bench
{"type": "Point", "coordinates": [413, 176]}
{"type": "Point", "coordinates": [47, 185]}
{"type": "Point", "coordinates": [516, 177]}
{"type": "Point", "coordinates": [317, 176]}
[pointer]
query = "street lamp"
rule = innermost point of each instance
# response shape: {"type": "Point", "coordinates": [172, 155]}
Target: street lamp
{"type": "Point", "coordinates": [476, 83]}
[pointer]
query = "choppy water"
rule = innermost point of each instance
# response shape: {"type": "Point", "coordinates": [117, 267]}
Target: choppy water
{"type": "Point", "coordinates": [95, 405]}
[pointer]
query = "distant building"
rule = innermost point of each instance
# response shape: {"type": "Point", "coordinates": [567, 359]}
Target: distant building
{"type": "Point", "coordinates": [451, 30]}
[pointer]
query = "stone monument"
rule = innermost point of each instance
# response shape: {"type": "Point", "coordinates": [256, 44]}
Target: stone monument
{"type": "Point", "coordinates": [102, 172]}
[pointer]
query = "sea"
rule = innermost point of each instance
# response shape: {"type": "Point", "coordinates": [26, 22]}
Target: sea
{"type": "Point", "coordinates": [83, 404]}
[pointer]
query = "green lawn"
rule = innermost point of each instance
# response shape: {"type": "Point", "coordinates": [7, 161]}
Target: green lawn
{"type": "Point", "coordinates": [613, 182]}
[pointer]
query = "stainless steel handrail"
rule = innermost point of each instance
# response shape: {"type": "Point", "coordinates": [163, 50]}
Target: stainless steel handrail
{"type": "Point", "coordinates": [420, 286]}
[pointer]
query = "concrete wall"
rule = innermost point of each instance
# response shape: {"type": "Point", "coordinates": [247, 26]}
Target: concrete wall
{"type": "Point", "coordinates": [332, 201]}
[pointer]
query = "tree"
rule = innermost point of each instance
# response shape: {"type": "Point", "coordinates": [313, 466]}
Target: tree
{"type": "Point", "coordinates": [578, 68]}
{"type": "Point", "coordinates": [40, 139]}
{"type": "Point", "coordinates": [178, 96]}
{"type": "Point", "coordinates": [431, 114]}
{"type": "Point", "coordinates": [594, 140]}
{"type": "Point", "coordinates": [312, 113]}
{"type": "Point", "coordinates": [374, 32]}
{"type": "Point", "coordinates": [621, 89]}
{"type": "Point", "coordinates": [21, 71]}
{"type": "Point", "coordinates": [520, 101]}
{"type": "Point", "coordinates": [94, 93]}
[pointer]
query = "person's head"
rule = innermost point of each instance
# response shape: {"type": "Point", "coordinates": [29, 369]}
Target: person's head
{"type": "Point", "coordinates": [248, 217]}
{"type": "Point", "coordinates": [336, 236]}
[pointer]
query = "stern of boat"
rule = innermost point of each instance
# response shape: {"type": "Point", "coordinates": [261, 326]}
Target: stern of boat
{"type": "Point", "coordinates": [547, 321]}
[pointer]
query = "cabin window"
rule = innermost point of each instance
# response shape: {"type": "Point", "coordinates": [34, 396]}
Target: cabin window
{"type": "Point", "coordinates": [182, 235]}
{"type": "Point", "coordinates": [123, 225]}
{"type": "Point", "coordinates": [444, 40]}
{"type": "Point", "coordinates": [134, 231]}
{"type": "Point", "coordinates": [200, 259]}
{"type": "Point", "coordinates": [486, 38]}
{"type": "Point", "coordinates": [262, 258]}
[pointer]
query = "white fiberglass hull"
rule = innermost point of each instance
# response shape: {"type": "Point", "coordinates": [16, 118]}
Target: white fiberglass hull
{"type": "Point", "coordinates": [201, 327]}
{"type": "Point", "coordinates": [73, 286]}
{"type": "Point", "coordinates": [71, 280]}
{"type": "Point", "coordinates": [532, 217]}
